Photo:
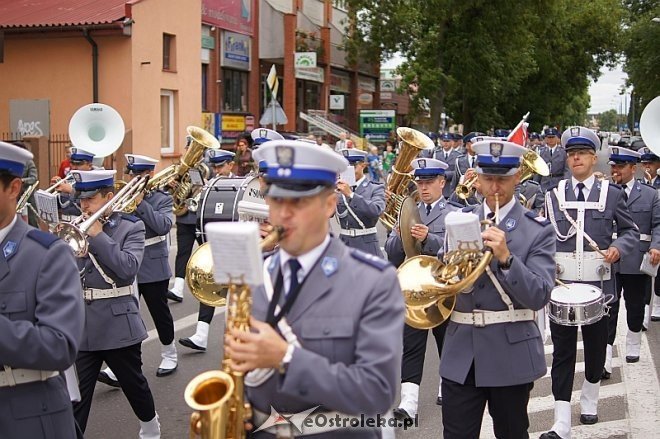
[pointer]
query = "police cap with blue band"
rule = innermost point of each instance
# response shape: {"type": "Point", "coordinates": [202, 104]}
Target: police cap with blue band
{"type": "Point", "coordinates": [577, 137]}
{"type": "Point", "coordinates": [81, 155]}
{"type": "Point", "coordinates": [428, 169]}
{"type": "Point", "coordinates": [501, 133]}
{"type": "Point", "coordinates": [622, 156]}
{"type": "Point", "coordinates": [88, 183]}
{"type": "Point", "coordinates": [551, 132]}
{"type": "Point", "coordinates": [647, 155]}
{"type": "Point", "coordinates": [218, 157]}
{"type": "Point", "coordinates": [469, 137]}
{"type": "Point", "coordinates": [263, 135]}
{"type": "Point", "coordinates": [445, 137]}
{"type": "Point", "coordinates": [498, 157]}
{"type": "Point", "coordinates": [353, 155]}
{"type": "Point", "coordinates": [13, 159]}
{"type": "Point", "coordinates": [136, 163]}
{"type": "Point", "coordinates": [299, 169]}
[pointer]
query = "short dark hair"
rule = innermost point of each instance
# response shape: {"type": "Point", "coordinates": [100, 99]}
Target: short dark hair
{"type": "Point", "coordinates": [6, 178]}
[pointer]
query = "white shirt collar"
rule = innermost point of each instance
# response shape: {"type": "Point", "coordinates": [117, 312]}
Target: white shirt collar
{"type": "Point", "coordinates": [588, 184]}
{"type": "Point", "coordinates": [434, 203]}
{"type": "Point", "coordinates": [504, 210]}
{"type": "Point", "coordinates": [4, 232]}
{"type": "Point", "coordinates": [629, 186]}
{"type": "Point", "coordinates": [360, 181]}
{"type": "Point", "coordinates": [306, 261]}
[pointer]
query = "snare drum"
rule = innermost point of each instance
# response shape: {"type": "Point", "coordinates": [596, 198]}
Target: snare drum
{"type": "Point", "coordinates": [224, 200]}
{"type": "Point", "coordinates": [577, 304]}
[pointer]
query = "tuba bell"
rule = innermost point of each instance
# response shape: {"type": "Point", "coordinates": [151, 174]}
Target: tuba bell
{"type": "Point", "coordinates": [412, 142]}
{"type": "Point", "coordinates": [532, 164]}
{"type": "Point", "coordinates": [649, 127]}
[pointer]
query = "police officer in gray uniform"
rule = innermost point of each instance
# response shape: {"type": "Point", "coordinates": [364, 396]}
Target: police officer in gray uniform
{"type": "Point", "coordinates": [644, 206]}
{"type": "Point", "coordinates": [448, 154]}
{"type": "Point", "coordinates": [114, 330]}
{"type": "Point", "coordinates": [342, 350]}
{"type": "Point", "coordinates": [433, 208]}
{"type": "Point", "coordinates": [651, 164]}
{"type": "Point", "coordinates": [554, 155]}
{"type": "Point", "coordinates": [598, 205]}
{"type": "Point", "coordinates": [359, 206]}
{"type": "Point", "coordinates": [155, 211]}
{"type": "Point", "coordinates": [81, 160]}
{"type": "Point", "coordinates": [41, 317]}
{"type": "Point", "coordinates": [493, 350]}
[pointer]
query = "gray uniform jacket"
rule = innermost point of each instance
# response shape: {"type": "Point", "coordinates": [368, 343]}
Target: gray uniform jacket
{"type": "Point", "coordinates": [68, 205]}
{"type": "Point", "coordinates": [41, 322]}
{"type": "Point", "coordinates": [533, 194]}
{"type": "Point", "coordinates": [644, 207]}
{"type": "Point", "coordinates": [435, 221]}
{"type": "Point", "coordinates": [450, 172]}
{"type": "Point", "coordinates": [114, 323]}
{"type": "Point", "coordinates": [557, 164]}
{"type": "Point", "coordinates": [156, 214]}
{"type": "Point", "coordinates": [348, 319]}
{"type": "Point", "coordinates": [505, 354]}
{"type": "Point", "coordinates": [599, 225]}
{"type": "Point", "coordinates": [368, 203]}
{"type": "Point", "coordinates": [462, 165]}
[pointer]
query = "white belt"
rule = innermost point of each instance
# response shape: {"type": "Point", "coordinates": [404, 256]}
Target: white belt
{"type": "Point", "coordinates": [154, 240]}
{"type": "Point", "coordinates": [485, 318]}
{"type": "Point", "coordinates": [109, 293]}
{"type": "Point", "coordinates": [591, 268]}
{"type": "Point", "coordinates": [11, 377]}
{"type": "Point", "coordinates": [289, 431]}
{"type": "Point", "coordinates": [358, 232]}
{"type": "Point", "coordinates": [642, 237]}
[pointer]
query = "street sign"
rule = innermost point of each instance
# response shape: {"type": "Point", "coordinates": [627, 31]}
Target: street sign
{"type": "Point", "coordinates": [376, 125]}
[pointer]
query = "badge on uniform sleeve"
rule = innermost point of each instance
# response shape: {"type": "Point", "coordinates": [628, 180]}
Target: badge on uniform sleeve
{"type": "Point", "coordinates": [9, 249]}
{"type": "Point", "coordinates": [112, 223]}
{"type": "Point", "coordinates": [510, 224]}
{"type": "Point", "coordinates": [442, 204]}
{"type": "Point", "coordinates": [329, 265]}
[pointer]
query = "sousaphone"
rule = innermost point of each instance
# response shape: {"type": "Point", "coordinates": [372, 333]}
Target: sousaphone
{"type": "Point", "coordinates": [97, 128]}
{"type": "Point", "coordinates": [649, 125]}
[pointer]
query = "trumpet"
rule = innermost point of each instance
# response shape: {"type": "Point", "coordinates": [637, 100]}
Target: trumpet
{"type": "Point", "coordinates": [466, 189]}
{"type": "Point", "coordinates": [67, 179]}
{"type": "Point", "coordinates": [74, 234]}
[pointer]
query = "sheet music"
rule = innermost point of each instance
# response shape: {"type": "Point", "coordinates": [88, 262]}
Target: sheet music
{"type": "Point", "coordinates": [348, 176]}
{"type": "Point", "coordinates": [46, 206]}
{"type": "Point", "coordinates": [463, 231]}
{"type": "Point", "coordinates": [236, 252]}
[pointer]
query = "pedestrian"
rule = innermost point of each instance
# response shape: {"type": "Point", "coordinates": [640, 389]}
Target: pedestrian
{"type": "Point", "coordinates": [243, 156]}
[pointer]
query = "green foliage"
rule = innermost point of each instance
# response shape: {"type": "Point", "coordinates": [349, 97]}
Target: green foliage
{"type": "Point", "coordinates": [608, 120]}
{"type": "Point", "coordinates": [486, 63]}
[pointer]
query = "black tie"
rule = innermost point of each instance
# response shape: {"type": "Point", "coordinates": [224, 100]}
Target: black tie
{"type": "Point", "coordinates": [446, 155]}
{"type": "Point", "coordinates": [353, 188]}
{"type": "Point", "coordinates": [294, 266]}
{"type": "Point", "coordinates": [428, 209]}
{"type": "Point", "coordinates": [471, 162]}
{"type": "Point", "coordinates": [580, 196]}
{"type": "Point", "coordinates": [625, 195]}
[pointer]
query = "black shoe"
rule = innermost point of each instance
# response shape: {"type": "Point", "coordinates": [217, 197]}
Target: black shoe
{"type": "Point", "coordinates": [644, 328]}
{"type": "Point", "coordinates": [588, 419]}
{"type": "Point", "coordinates": [655, 318]}
{"type": "Point", "coordinates": [105, 379]}
{"type": "Point", "coordinates": [438, 400]}
{"type": "Point", "coordinates": [550, 435]}
{"type": "Point", "coordinates": [170, 295]}
{"type": "Point", "coordinates": [632, 359]}
{"type": "Point", "coordinates": [401, 414]}
{"type": "Point", "coordinates": [187, 342]}
{"type": "Point", "coordinates": [165, 372]}
{"type": "Point", "coordinates": [606, 375]}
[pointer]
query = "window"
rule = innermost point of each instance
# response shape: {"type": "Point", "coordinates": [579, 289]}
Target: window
{"type": "Point", "coordinates": [205, 78]}
{"type": "Point", "coordinates": [166, 121]}
{"type": "Point", "coordinates": [235, 90]}
{"type": "Point", "coordinates": [169, 52]}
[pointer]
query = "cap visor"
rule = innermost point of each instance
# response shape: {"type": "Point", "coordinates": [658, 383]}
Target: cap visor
{"type": "Point", "coordinates": [502, 172]}
{"type": "Point", "coordinates": [81, 195]}
{"type": "Point", "coordinates": [276, 191]}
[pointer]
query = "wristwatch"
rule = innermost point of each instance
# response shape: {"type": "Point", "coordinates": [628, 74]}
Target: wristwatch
{"type": "Point", "coordinates": [507, 264]}
{"type": "Point", "coordinates": [284, 364]}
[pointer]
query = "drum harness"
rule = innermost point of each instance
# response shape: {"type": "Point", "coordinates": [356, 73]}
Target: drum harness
{"type": "Point", "coordinates": [582, 261]}
{"type": "Point", "coordinates": [353, 232]}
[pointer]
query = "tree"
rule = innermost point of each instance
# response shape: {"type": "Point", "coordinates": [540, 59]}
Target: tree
{"type": "Point", "coordinates": [608, 120]}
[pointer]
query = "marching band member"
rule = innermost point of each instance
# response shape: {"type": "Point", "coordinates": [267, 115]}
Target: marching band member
{"type": "Point", "coordinates": [80, 160]}
{"type": "Point", "coordinates": [155, 211]}
{"type": "Point", "coordinates": [359, 206]}
{"type": "Point", "coordinates": [534, 142]}
{"type": "Point", "coordinates": [263, 135]}
{"type": "Point", "coordinates": [448, 155]}
{"type": "Point", "coordinates": [41, 317]}
{"type": "Point", "coordinates": [644, 207]}
{"type": "Point", "coordinates": [554, 155]}
{"type": "Point", "coordinates": [222, 163]}
{"type": "Point", "coordinates": [651, 164]}
{"type": "Point", "coordinates": [596, 205]}
{"type": "Point", "coordinates": [114, 330]}
{"type": "Point", "coordinates": [346, 359]}
{"type": "Point", "coordinates": [433, 208]}
{"type": "Point", "coordinates": [493, 350]}
{"type": "Point", "coordinates": [469, 159]}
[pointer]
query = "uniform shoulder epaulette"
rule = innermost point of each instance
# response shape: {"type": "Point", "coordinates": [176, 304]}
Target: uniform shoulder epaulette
{"type": "Point", "coordinates": [369, 259]}
{"type": "Point", "coordinates": [616, 186]}
{"type": "Point", "coordinates": [131, 218]}
{"type": "Point", "coordinates": [532, 182]}
{"type": "Point", "coordinates": [648, 185]}
{"type": "Point", "coordinates": [469, 208]}
{"type": "Point", "coordinates": [538, 218]}
{"type": "Point", "coordinates": [43, 238]}
{"type": "Point", "coordinates": [455, 204]}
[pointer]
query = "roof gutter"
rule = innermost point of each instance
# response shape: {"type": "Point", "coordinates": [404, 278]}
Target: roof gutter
{"type": "Point", "coordinates": [95, 64]}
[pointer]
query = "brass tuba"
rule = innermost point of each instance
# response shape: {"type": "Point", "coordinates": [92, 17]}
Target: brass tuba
{"type": "Point", "coordinates": [430, 286]}
{"type": "Point", "coordinates": [176, 178]}
{"type": "Point", "coordinates": [412, 142]}
{"type": "Point", "coordinates": [531, 164]}
{"type": "Point", "coordinates": [217, 396]}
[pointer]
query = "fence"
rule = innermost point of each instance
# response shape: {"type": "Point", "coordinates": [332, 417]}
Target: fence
{"type": "Point", "coordinates": [57, 144]}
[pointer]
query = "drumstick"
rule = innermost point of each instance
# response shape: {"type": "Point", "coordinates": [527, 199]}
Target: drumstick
{"type": "Point", "coordinates": [595, 247]}
{"type": "Point", "coordinates": [560, 283]}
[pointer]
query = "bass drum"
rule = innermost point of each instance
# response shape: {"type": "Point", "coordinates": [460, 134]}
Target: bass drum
{"type": "Point", "coordinates": [230, 199]}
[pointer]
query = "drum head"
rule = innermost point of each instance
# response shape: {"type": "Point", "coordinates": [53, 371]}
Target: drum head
{"type": "Point", "coordinates": [219, 201]}
{"type": "Point", "coordinates": [575, 293]}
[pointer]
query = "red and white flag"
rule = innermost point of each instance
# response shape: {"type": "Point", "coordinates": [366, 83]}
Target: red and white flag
{"type": "Point", "coordinates": [519, 133]}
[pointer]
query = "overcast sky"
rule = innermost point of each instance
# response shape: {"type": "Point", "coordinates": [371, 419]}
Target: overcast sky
{"type": "Point", "coordinates": [604, 93]}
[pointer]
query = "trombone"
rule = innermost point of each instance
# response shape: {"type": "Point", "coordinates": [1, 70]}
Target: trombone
{"type": "Point", "coordinates": [67, 179]}
{"type": "Point", "coordinates": [74, 234]}
{"type": "Point", "coordinates": [23, 201]}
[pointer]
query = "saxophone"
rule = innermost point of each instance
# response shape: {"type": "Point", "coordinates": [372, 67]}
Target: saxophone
{"type": "Point", "coordinates": [217, 396]}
